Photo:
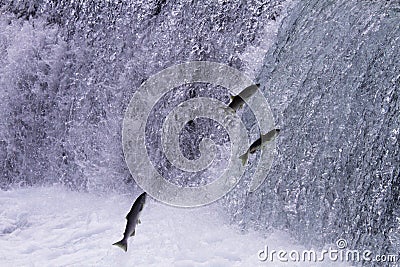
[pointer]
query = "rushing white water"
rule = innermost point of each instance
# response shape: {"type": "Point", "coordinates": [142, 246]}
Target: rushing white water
{"type": "Point", "coordinates": [329, 70]}
{"type": "Point", "coordinates": [57, 227]}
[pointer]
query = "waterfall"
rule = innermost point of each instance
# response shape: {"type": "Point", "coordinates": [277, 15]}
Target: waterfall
{"type": "Point", "coordinates": [329, 70]}
{"type": "Point", "coordinates": [332, 80]}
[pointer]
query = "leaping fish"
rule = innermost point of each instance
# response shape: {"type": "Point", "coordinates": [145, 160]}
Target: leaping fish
{"type": "Point", "coordinates": [132, 220]}
{"type": "Point", "coordinates": [260, 143]}
{"type": "Point", "coordinates": [238, 100]}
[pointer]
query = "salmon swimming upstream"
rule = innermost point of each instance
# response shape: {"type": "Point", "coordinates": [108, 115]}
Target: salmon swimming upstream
{"type": "Point", "coordinates": [238, 100]}
{"type": "Point", "coordinates": [259, 144]}
{"type": "Point", "coordinates": [132, 220]}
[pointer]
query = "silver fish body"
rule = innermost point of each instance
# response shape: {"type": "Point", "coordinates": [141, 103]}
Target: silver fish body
{"type": "Point", "coordinates": [132, 220]}
{"type": "Point", "coordinates": [259, 143]}
{"type": "Point", "coordinates": [238, 100]}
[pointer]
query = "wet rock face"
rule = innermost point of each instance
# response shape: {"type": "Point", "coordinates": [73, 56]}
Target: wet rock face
{"type": "Point", "coordinates": [333, 83]}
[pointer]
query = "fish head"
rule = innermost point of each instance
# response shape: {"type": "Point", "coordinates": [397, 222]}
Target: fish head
{"type": "Point", "coordinates": [142, 198]}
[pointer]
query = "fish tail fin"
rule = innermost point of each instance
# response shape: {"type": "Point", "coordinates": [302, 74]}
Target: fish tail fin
{"type": "Point", "coordinates": [244, 158]}
{"type": "Point", "coordinates": [122, 244]}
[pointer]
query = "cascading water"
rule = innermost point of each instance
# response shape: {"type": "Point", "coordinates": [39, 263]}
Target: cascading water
{"type": "Point", "coordinates": [333, 82]}
{"type": "Point", "coordinates": [68, 70]}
